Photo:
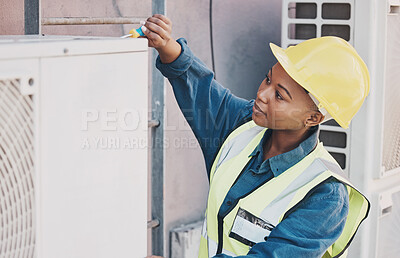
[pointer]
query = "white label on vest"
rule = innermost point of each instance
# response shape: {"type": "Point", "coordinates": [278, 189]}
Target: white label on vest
{"type": "Point", "coordinates": [249, 229]}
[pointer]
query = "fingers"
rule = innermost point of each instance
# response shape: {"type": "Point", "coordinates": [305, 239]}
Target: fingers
{"type": "Point", "coordinates": [157, 29]}
{"type": "Point", "coordinates": [160, 23]}
{"type": "Point", "coordinates": [165, 19]}
{"type": "Point", "coordinates": [154, 39]}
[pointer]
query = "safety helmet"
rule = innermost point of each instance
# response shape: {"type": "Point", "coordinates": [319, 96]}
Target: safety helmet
{"type": "Point", "coordinates": [331, 70]}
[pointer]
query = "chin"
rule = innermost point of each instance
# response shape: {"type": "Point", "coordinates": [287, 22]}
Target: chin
{"type": "Point", "coordinates": [258, 121]}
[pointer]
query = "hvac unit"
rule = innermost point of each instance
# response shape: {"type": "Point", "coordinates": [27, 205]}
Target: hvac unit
{"type": "Point", "coordinates": [73, 147]}
{"type": "Point", "coordinates": [369, 151]}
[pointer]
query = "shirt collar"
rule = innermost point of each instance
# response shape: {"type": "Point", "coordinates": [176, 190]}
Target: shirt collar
{"type": "Point", "coordinates": [280, 163]}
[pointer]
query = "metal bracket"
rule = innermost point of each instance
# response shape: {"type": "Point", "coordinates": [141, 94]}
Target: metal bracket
{"type": "Point", "coordinates": [153, 223]}
{"type": "Point", "coordinates": [154, 123]}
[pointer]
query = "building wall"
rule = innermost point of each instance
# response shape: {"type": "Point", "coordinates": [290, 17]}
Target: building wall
{"type": "Point", "coordinates": [11, 17]}
{"type": "Point", "coordinates": [93, 8]}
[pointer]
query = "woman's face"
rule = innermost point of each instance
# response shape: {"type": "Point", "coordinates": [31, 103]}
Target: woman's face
{"type": "Point", "coordinates": [282, 104]}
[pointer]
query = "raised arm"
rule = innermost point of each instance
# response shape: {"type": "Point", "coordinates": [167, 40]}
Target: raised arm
{"type": "Point", "coordinates": [210, 109]}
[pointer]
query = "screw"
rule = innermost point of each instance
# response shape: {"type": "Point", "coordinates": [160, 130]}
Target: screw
{"type": "Point", "coordinates": [31, 81]}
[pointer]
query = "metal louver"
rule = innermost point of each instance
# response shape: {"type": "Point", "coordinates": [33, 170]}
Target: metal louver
{"type": "Point", "coordinates": [17, 202]}
{"type": "Point", "coordinates": [391, 132]}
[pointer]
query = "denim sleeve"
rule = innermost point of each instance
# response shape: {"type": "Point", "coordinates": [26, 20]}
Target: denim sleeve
{"type": "Point", "coordinates": [310, 229]}
{"type": "Point", "coordinates": [210, 109]}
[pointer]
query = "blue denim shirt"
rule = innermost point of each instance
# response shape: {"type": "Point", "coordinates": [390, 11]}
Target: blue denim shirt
{"type": "Point", "coordinates": [212, 112]}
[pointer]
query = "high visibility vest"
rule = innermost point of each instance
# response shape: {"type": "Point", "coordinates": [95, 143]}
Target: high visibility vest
{"type": "Point", "coordinates": [256, 214]}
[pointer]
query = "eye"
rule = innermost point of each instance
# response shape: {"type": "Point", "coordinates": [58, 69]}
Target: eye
{"type": "Point", "coordinates": [278, 95]}
{"type": "Point", "coordinates": [268, 79]}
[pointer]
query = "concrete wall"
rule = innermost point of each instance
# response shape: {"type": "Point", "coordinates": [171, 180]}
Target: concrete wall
{"type": "Point", "coordinates": [11, 17]}
{"type": "Point", "coordinates": [242, 31]}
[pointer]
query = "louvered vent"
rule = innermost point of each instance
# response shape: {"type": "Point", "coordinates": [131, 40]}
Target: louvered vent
{"type": "Point", "coordinates": [17, 202]}
{"type": "Point", "coordinates": [391, 132]}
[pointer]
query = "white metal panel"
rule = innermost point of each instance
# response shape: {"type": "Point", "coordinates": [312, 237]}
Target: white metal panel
{"type": "Point", "coordinates": [388, 241]}
{"type": "Point", "coordinates": [94, 180]}
{"type": "Point", "coordinates": [90, 153]}
{"type": "Point", "coordinates": [13, 47]}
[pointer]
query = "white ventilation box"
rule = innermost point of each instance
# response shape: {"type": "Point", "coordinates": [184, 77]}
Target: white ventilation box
{"type": "Point", "coordinates": [73, 147]}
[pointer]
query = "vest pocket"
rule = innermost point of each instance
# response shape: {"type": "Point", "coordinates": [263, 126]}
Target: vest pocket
{"type": "Point", "coordinates": [249, 229]}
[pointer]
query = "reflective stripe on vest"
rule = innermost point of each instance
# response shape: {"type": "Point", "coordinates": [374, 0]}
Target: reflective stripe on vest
{"type": "Point", "coordinates": [249, 222]}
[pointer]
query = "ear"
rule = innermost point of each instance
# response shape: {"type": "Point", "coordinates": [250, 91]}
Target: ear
{"type": "Point", "coordinates": [314, 118]}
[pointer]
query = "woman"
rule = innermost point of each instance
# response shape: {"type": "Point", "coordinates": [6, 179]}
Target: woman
{"type": "Point", "coordinates": [274, 189]}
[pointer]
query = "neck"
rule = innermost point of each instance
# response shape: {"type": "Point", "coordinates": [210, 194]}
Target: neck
{"type": "Point", "coordinates": [282, 141]}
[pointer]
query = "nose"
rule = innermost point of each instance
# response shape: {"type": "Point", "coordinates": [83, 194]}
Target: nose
{"type": "Point", "coordinates": [264, 93]}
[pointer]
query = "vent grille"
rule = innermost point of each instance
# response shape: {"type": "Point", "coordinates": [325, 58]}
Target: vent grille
{"type": "Point", "coordinates": [391, 131]}
{"type": "Point", "coordinates": [309, 19]}
{"type": "Point", "coordinates": [17, 205]}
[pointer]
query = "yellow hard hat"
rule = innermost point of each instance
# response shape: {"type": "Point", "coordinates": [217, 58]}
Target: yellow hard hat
{"type": "Point", "coordinates": [331, 70]}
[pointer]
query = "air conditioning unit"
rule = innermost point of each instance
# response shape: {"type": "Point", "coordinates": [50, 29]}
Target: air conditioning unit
{"type": "Point", "coordinates": [369, 151]}
{"type": "Point", "coordinates": [73, 147]}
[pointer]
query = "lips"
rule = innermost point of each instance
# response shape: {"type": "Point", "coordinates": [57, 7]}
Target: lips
{"type": "Point", "coordinates": [256, 108]}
